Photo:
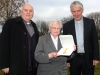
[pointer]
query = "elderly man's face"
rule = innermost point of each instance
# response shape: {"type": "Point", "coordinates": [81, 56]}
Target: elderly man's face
{"type": "Point", "coordinates": [27, 12]}
{"type": "Point", "coordinates": [55, 29]}
{"type": "Point", "coordinates": [77, 13]}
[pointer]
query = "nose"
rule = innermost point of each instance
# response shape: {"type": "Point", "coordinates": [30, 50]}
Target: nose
{"type": "Point", "coordinates": [76, 13]}
{"type": "Point", "coordinates": [28, 11]}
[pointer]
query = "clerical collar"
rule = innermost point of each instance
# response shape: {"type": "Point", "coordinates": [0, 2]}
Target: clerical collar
{"type": "Point", "coordinates": [27, 22]}
{"type": "Point", "coordinates": [79, 20]}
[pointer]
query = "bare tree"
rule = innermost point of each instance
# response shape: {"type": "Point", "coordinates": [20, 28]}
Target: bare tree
{"type": "Point", "coordinates": [64, 20]}
{"type": "Point", "coordinates": [9, 9]}
{"type": "Point", "coordinates": [2, 3]}
{"type": "Point", "coordinates": [42, 27]}
{"type": "Point", "coordinates": [96, 17]}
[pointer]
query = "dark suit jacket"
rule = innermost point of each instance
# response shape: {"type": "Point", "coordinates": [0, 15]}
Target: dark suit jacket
{"type": "Point", "coordinates": [53, 66]}
{"type": "Point", "coordinates": [14, 48]}
{"type": "Point", "coordinates": [90, 39]}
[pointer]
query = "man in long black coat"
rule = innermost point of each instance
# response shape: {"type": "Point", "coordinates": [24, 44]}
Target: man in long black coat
{"type": "Point", "coordinates": [18, 44]}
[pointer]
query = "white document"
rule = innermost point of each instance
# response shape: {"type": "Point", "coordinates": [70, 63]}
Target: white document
{"type": "Point", "coordinates": [67, 42]}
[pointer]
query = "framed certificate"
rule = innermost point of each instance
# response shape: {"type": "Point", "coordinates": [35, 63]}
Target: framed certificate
{"type": "Point", "coordinates": [67, 42]}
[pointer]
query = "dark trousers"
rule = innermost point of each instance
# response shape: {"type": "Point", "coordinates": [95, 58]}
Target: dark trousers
{"type": "Point", "coordinates": [29, 73]}
{"type": "Point", "coordinates": [34, 72]}
{"type": "Point", "coordinates": [79, 67]}
{"type": "Point", "coordinates": [6, 74]}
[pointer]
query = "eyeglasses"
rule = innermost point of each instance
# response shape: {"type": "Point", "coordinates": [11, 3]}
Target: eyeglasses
{"type": "Point", "coordinates": [55, 28]}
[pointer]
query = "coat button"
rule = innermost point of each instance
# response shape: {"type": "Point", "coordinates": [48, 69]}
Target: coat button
{"type": "Point", "coordinates": [24, 46]}
{"type": "Point", "coordinates": [25, 33]}
{"type": "Point", "coordinates": [24, 60]}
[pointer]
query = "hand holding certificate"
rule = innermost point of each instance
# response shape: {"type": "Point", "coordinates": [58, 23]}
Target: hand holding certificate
{"type": "Point", "coordinates": [67, 45]}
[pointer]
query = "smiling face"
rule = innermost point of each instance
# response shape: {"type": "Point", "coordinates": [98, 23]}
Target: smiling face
{"type": "Point", "coordinates": [76, 12]}
{"type": "Point", "coordinates": [55, 29]}
{"type": "Point", "coordinates": [27, 12]}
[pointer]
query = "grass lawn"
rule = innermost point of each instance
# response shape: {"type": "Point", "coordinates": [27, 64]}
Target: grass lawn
{"type": "Point", "coordinates": [97, 69]}
{"type": "Point", "coordinates": [1, 73]}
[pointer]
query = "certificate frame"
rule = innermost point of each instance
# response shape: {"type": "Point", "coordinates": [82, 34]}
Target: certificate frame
{"type": "Point", "coordinates": [67, 43]}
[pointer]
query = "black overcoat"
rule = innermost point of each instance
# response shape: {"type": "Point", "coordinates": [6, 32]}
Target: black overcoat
{"type": "Point", "coordinates": [14, 48]}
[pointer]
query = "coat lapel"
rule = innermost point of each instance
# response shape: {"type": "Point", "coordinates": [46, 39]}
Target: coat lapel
{"type": "Point", "coordinates": [59, 44]}
{"type": "Point", "coordinates": [73, 30]}
{"type": "Point", "coordinates": [50, 42]}
{"type": "Point", "coordinates": [20, 20]}
{"type": "Point", "coordinates": [85, 27]}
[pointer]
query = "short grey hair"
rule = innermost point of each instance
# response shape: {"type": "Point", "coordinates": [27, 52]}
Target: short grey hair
{"type": "Point", "coordinates": [55, 21]}
{"type": "Point", "coordinates": [76, 4]}
{"type": "Point", "coordinates": [21, 8]}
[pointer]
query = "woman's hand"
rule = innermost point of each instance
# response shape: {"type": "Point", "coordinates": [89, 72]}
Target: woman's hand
{"type": "Point", "coordinates": [53, 54]}
{"type": "Point", "coordinates": [74, 47]}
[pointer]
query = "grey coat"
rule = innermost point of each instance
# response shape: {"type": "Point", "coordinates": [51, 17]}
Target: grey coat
{"type": "Point", "coordinates": [53, 66]}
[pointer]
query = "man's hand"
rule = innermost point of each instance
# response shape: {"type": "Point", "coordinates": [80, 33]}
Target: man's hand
{"type": "Point", "coordinates": [95, 62]}
{"type": "Point", "coordinates": [74, 47]}
{"type": "Point", "coordinates": [68, 64]}
{"type": "Point", "coordinates": [5, 70]}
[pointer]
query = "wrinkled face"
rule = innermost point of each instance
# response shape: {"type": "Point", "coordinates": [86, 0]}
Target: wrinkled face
{"type": "Point", "coordinates": [27, 12]}
{"type": "Point", "coordinates": [55, 29]}
{"type": "Point", "coordinates": [77, 13]}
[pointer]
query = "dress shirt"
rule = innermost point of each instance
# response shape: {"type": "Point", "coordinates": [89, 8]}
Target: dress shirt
{"type": "Point", "coordinates": [29, 28]}
{"type": "Point", "coordinates": [55, 41]}
{"type": "Point", "coordinates": [80, 35]}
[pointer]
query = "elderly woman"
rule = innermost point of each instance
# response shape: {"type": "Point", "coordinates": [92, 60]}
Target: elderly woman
{"type": "Point", "coordinates": [50, 63]}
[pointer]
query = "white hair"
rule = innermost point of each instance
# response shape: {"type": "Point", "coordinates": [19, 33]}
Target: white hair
{"type": "Point", "coordinates": [24, 5]}
{"type": "Point", "coordinates": [76, 4]}
{"type": "Point", "coordinates": [55, 21]}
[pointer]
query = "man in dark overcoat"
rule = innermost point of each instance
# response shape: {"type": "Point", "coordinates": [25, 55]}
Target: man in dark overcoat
{"type": "Point", "coordinates": [86, 40]}
{"type": "Point", "coordinates": [19, 39]}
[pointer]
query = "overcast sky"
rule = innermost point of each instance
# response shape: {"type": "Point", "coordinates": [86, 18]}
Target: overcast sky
{"type": "Point", "coordinates": [47, 10]}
